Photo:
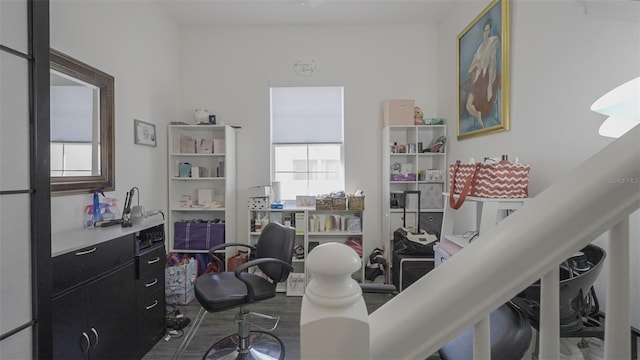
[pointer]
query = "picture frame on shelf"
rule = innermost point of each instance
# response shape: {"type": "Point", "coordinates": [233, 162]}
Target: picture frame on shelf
{"type": "Point", "coordinates": [144, 133]}
{"type": "Point", "coordinates": [483, 73]}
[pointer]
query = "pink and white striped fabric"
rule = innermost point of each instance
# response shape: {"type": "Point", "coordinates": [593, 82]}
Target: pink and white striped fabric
{"type": "Point", "coordinates": [502, 180]}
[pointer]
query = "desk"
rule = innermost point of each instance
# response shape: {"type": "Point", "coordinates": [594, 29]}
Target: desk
{"type": "Point", "coordinates": [488, 211]}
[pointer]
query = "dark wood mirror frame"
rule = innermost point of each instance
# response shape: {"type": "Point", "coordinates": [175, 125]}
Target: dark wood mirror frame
{"type": "Point", "coordinates": [106, 180]}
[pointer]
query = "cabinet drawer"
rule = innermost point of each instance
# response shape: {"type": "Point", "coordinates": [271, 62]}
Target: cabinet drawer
{"type": "Point", "coordinates": [149, 285]}
{"type": "Point", "coordinates": [151, 320]}
{"type": "Point", "coordinates": [76, 267]}
{"type": "Point", "coordinates": [151, 263]}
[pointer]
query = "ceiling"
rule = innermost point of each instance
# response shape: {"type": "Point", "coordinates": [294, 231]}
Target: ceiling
{"type": "Point", "coordinates": [304, 12]}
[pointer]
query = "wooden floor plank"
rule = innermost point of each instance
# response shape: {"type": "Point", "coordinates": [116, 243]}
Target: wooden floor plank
{"type": "Point", "coordinates": [218, 325]}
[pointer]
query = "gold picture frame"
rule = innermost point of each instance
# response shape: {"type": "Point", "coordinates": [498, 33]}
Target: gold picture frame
{"type": "Point", "coordinates": [483, 73]}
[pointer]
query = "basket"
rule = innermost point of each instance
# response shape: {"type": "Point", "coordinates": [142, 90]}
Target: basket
{"type": "Point", "coordinates": [356, 202]}
{"type": "Point", "coordinates": [339, 203]}
{"type": "Point", "coordinates": [323, 203]}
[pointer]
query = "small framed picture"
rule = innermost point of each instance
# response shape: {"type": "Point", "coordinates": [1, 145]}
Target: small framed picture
{"type": "Point", "coordinates": [212, 119]}
{"type": "Point", "coordinates": [144, 133]}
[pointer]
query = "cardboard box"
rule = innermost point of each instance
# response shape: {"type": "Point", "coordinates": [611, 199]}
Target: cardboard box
{"type": "Point", "coordinates": [218, 146]}
{"type": "Point", "coordinates": [187, 145]}
{"type": "Point", "coordinates": [398, 112]}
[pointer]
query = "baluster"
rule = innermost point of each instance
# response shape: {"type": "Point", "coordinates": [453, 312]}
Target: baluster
{"type": "Point", "coordinates": [550, 315]}
{"type": "Point", "coordinates": [334, 322]}
{"type": "Point", "coordinates": [617, 340]}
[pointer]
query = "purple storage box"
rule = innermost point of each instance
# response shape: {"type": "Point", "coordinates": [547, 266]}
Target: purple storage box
{"type": "Point", "coordinates": [189, 235]}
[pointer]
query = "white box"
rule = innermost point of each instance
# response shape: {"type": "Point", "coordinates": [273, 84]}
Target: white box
{"type": "Point", "coordinates": [195, 172]}
{"type": "Point", "coordinates": [306, 200]}
{"type": "Point", "coordinates": [205, 146]}
{"type": "Point", "coordinates": [260, 191]}
{"type": "Point", "coordinates": [205, 196]}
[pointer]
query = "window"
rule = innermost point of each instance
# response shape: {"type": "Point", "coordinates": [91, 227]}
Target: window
{"type": "Point", "coordinates": [307, 139]}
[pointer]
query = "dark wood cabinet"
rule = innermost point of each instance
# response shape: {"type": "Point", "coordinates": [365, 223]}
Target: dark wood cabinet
{"type": "Point", "coordinates": [150, 311]}
{"type": "Point", "coordinates": [108, 299]}
{"type": "Point", "coordinates": [93, 321]}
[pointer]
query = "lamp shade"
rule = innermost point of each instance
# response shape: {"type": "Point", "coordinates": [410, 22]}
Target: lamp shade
{"type": "Point", "coordinates": [622, 105]}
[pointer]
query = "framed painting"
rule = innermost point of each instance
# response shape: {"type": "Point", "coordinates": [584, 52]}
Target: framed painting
{"type": "Point", "coordinates": [144, 133]}
{"type": "Point", "coordinates": [483, 73]}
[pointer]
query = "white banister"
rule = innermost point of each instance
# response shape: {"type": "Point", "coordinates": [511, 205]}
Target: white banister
{"type": "Point", "coordinates": [550, 315]}
{"type": "Point", "coordinates": [333, 319]}
{"type": "Point", "coordinates": [549, 228]}
{"type": "Point", "coordinates": [593, 198]}
{"type": "Point", "coordinates": [617, 341]}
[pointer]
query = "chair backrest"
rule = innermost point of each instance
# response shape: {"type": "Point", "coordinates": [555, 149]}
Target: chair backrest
{"type": "Point", "coordinates": [276, 241]}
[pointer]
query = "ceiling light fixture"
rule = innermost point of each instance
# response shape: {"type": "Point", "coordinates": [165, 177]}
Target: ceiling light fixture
{"type": "Point", "coordinates": [622, 105]}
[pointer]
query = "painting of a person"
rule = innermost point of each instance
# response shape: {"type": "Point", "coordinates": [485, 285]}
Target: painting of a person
{"type": "Point", "coordinates": [484, 76]}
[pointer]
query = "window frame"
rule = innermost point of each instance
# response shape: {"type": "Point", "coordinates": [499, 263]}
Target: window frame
{"type": "Point", "coordinates": [341, 168]}
{"type": "Point", "coordinates": [273, 146]}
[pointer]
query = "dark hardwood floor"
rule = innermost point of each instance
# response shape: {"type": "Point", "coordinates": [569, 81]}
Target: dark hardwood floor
{"type": "Point", "coordinates": [218, 325]}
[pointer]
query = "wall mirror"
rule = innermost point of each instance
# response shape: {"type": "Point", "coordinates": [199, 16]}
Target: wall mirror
{"type": "Point", "coordinates": [82, 127]}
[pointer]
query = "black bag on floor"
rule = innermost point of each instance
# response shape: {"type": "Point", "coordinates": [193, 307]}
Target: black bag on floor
{"type": "Point", "coordinates": [407, 242]}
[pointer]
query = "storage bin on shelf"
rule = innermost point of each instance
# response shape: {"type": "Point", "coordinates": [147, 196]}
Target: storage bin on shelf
{"type": "Point", "coordinates": [198, 235]}
{"type": "Point", "coordinates": [338, 203]}
{"type": "Point", "coordinates": [356, 202]}
{"type": "Point", "coordinates": [323, 202]}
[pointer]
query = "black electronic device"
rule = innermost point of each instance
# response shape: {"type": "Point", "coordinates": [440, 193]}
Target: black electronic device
{"type": "Point", "coordinates": [147, 237]}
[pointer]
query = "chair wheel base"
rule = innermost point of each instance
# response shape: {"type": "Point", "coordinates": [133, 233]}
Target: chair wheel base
{"type": "Point", "coordinates": [263, 346]}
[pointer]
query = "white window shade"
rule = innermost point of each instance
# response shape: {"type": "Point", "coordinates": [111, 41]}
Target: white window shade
{"type": "Point", "coordinates": [307, 115]}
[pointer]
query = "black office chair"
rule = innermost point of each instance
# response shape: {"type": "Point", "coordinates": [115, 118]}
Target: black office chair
{"type": "Point", "coordinates": [225, 290]}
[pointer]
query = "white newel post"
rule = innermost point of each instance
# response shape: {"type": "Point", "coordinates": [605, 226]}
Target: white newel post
{"type": "Point", "coordinates": [334, 323]}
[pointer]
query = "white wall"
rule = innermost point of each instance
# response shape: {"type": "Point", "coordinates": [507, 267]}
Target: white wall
{"type": "Point", "coordinates": [137, 44]}
{"type": "Point", "coordinates": [561, 61]}
{"type": "Point", "coordinates": [564, 56]}
{"type": "Point", "coordinates": [228, 70]}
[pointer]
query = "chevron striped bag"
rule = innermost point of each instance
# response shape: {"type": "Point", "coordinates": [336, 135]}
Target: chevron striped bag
{"type": "Point", "coordinates": [501, 180]}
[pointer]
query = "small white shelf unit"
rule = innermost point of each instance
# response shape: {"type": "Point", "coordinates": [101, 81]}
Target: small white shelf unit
{"type": "Point", "coordinates": [430, 169]}
{"type": "Point", "coordinates": [308, 232]}
{"type": "Point", "coordinates": [218, 179]}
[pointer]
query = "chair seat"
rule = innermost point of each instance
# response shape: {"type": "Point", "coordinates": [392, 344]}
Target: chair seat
{"type": "Point", "coordinates": [222, 291]}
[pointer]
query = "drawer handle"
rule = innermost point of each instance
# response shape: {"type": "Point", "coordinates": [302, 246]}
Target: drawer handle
{"type": "Point", "coordinates": [79, 253]}
{"type": "Point", "coordinates": [86, 339]}
{"type": "Point", "coordinates": [155, 281]}
{"type": "Point", "coordinates": [153, 261]}
{"type": "Point", "coordinates": [152, 305]}
{"type": "Point", "coordinates": [95, 333]}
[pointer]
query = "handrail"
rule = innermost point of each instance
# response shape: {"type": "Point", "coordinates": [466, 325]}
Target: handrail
{"type": "Point", "coordinates": [562, 219]}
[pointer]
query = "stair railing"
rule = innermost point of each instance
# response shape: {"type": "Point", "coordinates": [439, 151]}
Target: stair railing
{"type": "Point", "coordinates": [597, 196]}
